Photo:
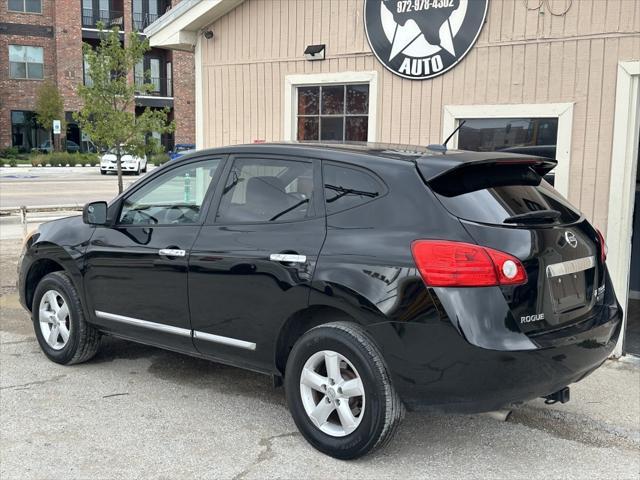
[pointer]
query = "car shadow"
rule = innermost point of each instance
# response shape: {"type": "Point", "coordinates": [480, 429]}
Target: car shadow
{"type": "Point", "coordinates": [191, 371]}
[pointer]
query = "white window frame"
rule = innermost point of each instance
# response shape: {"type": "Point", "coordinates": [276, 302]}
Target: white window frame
{"type": "Point", "coordinates": [562, 111]}
{"type": "Point", "coordinates": [292, 82]}
{"type": "Point", "coordinates": [26, 64]}
{"type": "Point", "coordinates": [622, 185]}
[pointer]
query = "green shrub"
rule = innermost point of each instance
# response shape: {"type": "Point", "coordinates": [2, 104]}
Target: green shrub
{"type": "Point", "coordinates": [159, 158]}
{"type": "Point", "coordinates": [92, 159]}
{"type": "Point", "coordinates": [13, 162]}
{"type": "Point", "coordinates": [10, 152]}
{"type": "Point", "coordinates": [39, 160]}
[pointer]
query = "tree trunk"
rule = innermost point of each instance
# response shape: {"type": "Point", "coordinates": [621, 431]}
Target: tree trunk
{"type": "Point", "coordinates": [119, 167]}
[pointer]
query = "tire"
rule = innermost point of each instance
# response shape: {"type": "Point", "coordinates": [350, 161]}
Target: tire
{"type": "Point", "coordinates": [144, 170]}
{"type": "Point", "coordinates": [83, 339]}
{"type": "Point", "coordinates": [375, 415]}
{"type": "Point", "coordinates": [103, 172]}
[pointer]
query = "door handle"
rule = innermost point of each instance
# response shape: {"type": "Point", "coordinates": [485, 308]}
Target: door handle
{"type": "Point", "coordinates": [172, 252]}
{"type": "Point", "coordinates": [288, 258]}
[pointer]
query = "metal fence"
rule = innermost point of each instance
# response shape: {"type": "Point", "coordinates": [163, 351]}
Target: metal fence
{"type": "Point", "coordinates": [39, 214]}
{"type": "Point", "coordinates": [110, 18]}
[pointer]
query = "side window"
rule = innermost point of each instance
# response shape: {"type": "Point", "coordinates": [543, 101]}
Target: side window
{"type": "Point", "coordinates": [267, 190]}
{"type": "Point", "coordinates": [173, 198]}
{"type": "Point", "coordinates": [346, 187]}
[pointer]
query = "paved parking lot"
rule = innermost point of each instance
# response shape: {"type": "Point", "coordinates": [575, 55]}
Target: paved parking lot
{"type": "Point", "coordinates": [136, 411]}
{"type": "Point", "coordinates": [57, 185]}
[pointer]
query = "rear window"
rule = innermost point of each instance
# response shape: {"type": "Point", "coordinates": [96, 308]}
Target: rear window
{"type": "Point", "coordinates": [492, 193]}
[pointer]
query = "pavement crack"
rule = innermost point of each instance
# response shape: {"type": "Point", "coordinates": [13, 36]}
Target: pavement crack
{"type": "Point", "coordinates": [115, 395]}
{"type": "Point", "coordinates": [26, 386]}
{"type": "Point", "coordinates": [28, 340]}
{"type": "Point", "coordinates": [266, 454]}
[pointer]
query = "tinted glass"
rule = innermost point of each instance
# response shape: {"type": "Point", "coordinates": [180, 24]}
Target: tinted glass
{"type": "Point", "coordinates": [331, 128]}
{"type": "Point", "coordinates": [267, 190]}
{"type": "Point", "coordinates": [332, 100]}
{"type": "Point", "coordinates": [333, 113]}
{"type": "Point", "coordinates": [494, 193]}
{"type": "Point", "coordinates": [33, 6]}
{"type": "Point", "coordinates": [535, 136]}
{"type": "Point", "coordinates": [18, 70]}
{"type": "Point", "coordinates": [308, 128]}
{"type": "Point", "coordinates": [308, 100]}
{"type": "Point", "coordinates": [35, 70]}
{"type": "Point", "coordinates": [17, 53]}
{"type": "Point", "coordinates": [347, 187]}
{"type": "Point", "coordinates": [16, 5]}
{"type": "Point", "coordinates": [358, 99]}
{"type": "Point", "coordinates": [35, 54]}
{"type": "Point", "coordinates": [356, 129]}
{"type": "Point", "coordinates": [175, 197]}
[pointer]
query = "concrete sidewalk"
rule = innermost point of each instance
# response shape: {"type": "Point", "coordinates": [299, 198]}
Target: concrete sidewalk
{"type": "Point", "coordinates": [140, 412]}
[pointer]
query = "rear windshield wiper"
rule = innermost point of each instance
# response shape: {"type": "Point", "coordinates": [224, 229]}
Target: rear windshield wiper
{"type": "Point", "coordinates": [347, 191]}
{"type": "Point", "coordinates": [534, 217]}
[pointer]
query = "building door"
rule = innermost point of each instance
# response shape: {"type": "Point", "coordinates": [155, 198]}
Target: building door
{"type": "Point", "coordinates": [632, 341]}
{"type": "Point", "coordinates": [623, 198]}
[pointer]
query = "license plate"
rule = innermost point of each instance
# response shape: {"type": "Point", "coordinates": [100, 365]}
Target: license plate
{"type": "Point", "coordinates": [568, 291]}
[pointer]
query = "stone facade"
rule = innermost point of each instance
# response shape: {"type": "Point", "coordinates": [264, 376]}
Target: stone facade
{"type": "Point", "coordinates": [184, 102]}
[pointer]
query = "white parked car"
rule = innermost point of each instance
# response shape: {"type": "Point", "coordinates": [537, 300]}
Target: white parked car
{"type": "Point", "coordinates": [130, 163]}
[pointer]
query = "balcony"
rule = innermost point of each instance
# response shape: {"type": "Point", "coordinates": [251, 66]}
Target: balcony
{"type": "Point", "coordinates": [160, 86]}
{"type": "Point", "coordinates": [142, 20]}
{"type": "Point", "coordinates": [110, 18]}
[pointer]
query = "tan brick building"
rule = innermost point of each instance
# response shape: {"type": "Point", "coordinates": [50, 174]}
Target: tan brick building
{"type": "Point", "coordinates": [553, 77]}
{"type": "Point", "coordinates": [42, 40]}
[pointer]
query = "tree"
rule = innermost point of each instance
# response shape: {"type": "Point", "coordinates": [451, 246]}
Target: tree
{"type": "Point", "coordinates": [49, 107]}
{"type": "Point", "coordinates": [108, 115]}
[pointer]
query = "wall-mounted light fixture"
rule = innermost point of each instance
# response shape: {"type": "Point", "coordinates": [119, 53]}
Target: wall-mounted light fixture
{"type": "Point", "coordinates": [315, 52]}
{"type": "Point", "coordinates": [208, 34]}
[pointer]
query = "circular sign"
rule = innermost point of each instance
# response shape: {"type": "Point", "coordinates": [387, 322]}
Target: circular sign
{"type": "Point", "coordinates": [420, 39]}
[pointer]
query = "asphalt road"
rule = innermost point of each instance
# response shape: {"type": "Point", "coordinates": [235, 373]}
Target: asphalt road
{"type": "Point", "coordinates": [57, 186]}
{"type": "Point", "coordinates": [140, 412]}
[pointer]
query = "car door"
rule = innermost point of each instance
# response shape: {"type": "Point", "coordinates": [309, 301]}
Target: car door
{"type": "Point", "coordinates": [136, 270]}
{"type": "Point", "coordinates": [252, 264]}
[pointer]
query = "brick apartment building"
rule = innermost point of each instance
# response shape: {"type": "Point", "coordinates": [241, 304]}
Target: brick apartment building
{"type": "Point", "coordinates": [42, 40]}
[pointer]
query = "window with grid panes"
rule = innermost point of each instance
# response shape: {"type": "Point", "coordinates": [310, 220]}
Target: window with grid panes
{"type": "Point", "coordinates": [333, 112]}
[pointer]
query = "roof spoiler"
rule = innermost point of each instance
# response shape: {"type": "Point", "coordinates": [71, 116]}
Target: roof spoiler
{"type": "Point", "coordinates": [434, 167]}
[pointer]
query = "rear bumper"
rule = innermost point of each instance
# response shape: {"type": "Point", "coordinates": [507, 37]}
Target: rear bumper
{"type": "Point", "coordinates": [435, 368]}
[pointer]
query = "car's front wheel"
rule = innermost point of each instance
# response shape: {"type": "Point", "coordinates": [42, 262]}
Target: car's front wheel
{"type": "Point", "coordinates": [339, 391]}
{"type": "Point", "coordinates": [64, 335]}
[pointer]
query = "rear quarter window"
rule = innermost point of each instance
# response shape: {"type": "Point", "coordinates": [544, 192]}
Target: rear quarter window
{"type": "Point", "coordinates": [349, 187]}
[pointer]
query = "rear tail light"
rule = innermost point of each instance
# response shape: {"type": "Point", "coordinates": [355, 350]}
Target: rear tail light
{"type": "Point", "coordinates": [457, 264]}
{"type": "Point", "coordinates": [603, 246]}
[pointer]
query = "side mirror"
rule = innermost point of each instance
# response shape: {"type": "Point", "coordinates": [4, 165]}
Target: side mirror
{"type": "Point", "coordinates": [95, 213]}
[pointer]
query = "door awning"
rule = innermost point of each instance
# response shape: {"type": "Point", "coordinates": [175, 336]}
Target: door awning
{"type": "Point", "coordinates": [179, 28]}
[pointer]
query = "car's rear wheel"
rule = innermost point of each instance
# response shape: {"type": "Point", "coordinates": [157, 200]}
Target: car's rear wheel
{"type": "Point", "coordinates": [339, 391]}
{"type": "Point", "coordinates": [58, 320]}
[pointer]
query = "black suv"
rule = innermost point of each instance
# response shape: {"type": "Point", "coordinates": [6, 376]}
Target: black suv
{"type": "Point", "coordinates": [366, 278]}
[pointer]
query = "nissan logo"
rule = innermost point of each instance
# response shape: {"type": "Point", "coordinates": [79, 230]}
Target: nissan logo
{"type": "Point", "coordinates": [571, 239]}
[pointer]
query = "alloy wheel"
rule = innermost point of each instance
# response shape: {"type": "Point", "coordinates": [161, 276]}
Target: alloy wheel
{"type": "Point", "coordinates": [332, 393]}
{"type": "Point", "coordinates": [54, 319]}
